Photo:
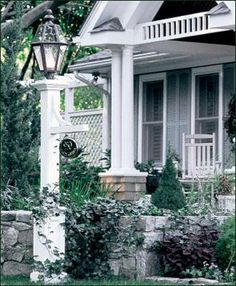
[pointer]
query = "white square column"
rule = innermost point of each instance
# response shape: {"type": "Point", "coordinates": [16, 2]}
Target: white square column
{"type": "Point", "coordinates": [128, 182]}
{"type": "Point", "coordinates": [52, 228]}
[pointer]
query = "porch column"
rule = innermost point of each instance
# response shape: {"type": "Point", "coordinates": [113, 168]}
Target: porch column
{"type": "Point", "coordinates": [127, 141]}
{"type": "Point", "coordinates": [116, 110]}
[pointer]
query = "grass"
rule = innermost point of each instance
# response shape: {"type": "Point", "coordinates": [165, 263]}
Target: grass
{"type": "Point", "coordinates": [21, 280]}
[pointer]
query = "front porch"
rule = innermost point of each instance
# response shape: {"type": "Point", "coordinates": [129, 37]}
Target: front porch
{"type": "Point", "coordinates": [165, 78]}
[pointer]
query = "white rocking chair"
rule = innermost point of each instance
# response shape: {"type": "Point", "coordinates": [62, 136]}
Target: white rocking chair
{"type": "Point", "coordinates": [199, 159]}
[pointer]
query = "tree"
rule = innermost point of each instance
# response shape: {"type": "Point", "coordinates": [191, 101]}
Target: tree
{"type": "Point", "coordinates": [69, 14]}
{"type": "Point", "coordinates": [230, 123]}
{"type": "Point", "coordinates": [19, 114]}
{"type": "Point", "coordinates": [169, 194]}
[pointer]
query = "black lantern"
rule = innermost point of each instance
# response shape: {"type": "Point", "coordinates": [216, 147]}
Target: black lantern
{"type": "Point", "coordinates": [49, 46]}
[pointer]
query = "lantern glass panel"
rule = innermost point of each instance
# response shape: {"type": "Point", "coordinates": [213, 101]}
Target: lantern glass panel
{"type": "Point", "coordinates": [51, 54]}
{"type": "Point", "coordinates": [61, 56]}
{"type": "Point", "coordinates": [38, 56]}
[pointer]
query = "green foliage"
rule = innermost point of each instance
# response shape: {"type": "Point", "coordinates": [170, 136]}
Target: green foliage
{"type": "Point", "coordinates": [224, 184]}
{"type": "Point", "coordinates": [225, 247]}
{"type": "Point", "coordinates": [230, 123]}
{"type": "Point", "coordinates": [90, 232]}
{"type": "Point", "coordinates": [78, 178]}
{"type": "Point", "coordinates": [211, 271]}
{"type": "Point", "coordinates": [169, 194]}
{"type": "Point", "coordinates": [20, 119]}
{"type": "Point", "coordinates": [191, 243]}
{"type": "Point", "coordinates": [153, 177]}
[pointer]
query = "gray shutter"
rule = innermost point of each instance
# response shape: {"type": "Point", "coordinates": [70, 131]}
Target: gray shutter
{"type": "Point", "coordinates": [228, 90]}
{"type": "Point", "coordinates": [184, 106]}
{"type": "Point", "coordinates": [178, 108]}
{"type": "Point", "coordinates": [172, 134]}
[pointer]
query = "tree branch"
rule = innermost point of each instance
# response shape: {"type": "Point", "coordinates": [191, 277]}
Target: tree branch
{"type": "Point", "coordinates": [30, 17]}
{"type": "Point", "coordinates": [5, 12]}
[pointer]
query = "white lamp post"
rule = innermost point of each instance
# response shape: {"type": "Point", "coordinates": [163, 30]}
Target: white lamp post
{"type": "Point", "coordinates": [49, 47]}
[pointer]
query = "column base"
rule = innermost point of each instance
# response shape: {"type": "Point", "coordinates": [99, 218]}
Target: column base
{"type": "Point", "coordinates": [127, 186]}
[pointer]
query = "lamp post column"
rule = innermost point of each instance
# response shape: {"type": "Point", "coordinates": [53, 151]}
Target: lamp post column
{"type": "Point", "coordinates": [51, 228]}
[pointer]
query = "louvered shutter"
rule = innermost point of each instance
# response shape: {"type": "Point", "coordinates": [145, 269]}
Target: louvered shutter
{"type": "Point", "coordinates": [153, 121]}
{"type": "Point", "coordinates": [178, 108]}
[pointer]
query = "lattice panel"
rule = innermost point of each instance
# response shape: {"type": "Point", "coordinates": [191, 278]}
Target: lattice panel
{"type": "Point", "coordinates": [91, 140]}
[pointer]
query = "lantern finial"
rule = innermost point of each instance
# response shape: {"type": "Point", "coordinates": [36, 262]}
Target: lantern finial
{"type": "Point", "coordinates": [49, 16]}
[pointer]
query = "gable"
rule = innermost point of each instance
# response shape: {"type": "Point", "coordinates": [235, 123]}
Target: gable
{"type": "Point", "coordinates": [170, 9]}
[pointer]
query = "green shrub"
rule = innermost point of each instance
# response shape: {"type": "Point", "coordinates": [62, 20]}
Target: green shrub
{"type": "Point", "coordinates": [90, 232]}
{"type": "Point", "coordinates": [79, 179]}
{"type": "Point", "coordinates": [225, 247]}
{"type": "Point", "coordinates": [169, 194]}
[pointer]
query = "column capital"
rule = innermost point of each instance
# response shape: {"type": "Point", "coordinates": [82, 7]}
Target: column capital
{"type": "Point", "coordinates": [59, 83]}
{"type": "Point", "coordinates": [127, 47]}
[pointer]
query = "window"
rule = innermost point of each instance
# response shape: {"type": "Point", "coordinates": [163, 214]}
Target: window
{"type": "Point", "coordinates": [153, 121]}
{"type": "Point", "coordinates": [207, 107]}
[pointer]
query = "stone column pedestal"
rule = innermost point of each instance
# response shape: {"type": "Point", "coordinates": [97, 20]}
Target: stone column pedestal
{"type": "Point", "coordinates": [126, 187]}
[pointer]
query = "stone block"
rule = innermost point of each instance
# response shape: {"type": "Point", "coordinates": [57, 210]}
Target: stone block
{"type": "Point", "coordinates": [127, 273]}
{"type": "Point", "coordinates": [8, 216]}
{"type": "Point", "coordinates": [14, 253]}
{"type": "Point", "coordinates": [24, 216]}
{"type": "Point", "coordinates": [146, 223]}
{"type": "Point", "coordinates": [129, 263]}
{"type": "Point", "coordinates": [21, 225]}
{"type": "Point", "coordinates": [148, 264]}
{"type": "Point", "coordinates": [10, 236]}
{"type": "Point", "coordinates": [141, 264]}
{"type": "Point", "coordinates": [115, 266]}
{"type": "Point", "coordinates": [16, 268]}
{"type": "Point", "coordinates": [162, 222]}
{"type": "Point", "coordinates": [151, 238]}
{"type": "Point", "coordinates": [26, 237]}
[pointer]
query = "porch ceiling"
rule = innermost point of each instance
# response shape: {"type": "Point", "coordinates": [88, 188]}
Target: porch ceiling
{"type": "Point", "coordinates": [163, 56]}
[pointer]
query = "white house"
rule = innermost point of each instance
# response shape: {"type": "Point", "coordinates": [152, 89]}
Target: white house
{"type": "Point", "coordinates": [169, 67]}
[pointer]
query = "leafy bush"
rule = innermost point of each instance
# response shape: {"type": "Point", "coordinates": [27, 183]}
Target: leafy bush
{"type": "Point", "coordinates": [90, 231]}
{"type": "Point", "coordinates": [192, 243]}
{"type": "Point", "coordinates": [77, 178]}
{"type": "Point", "coordinates": [225, 246]}
{"type": "Point", "coordinates": [230, 123]}
{"type": "Point", "coordinates": [169, 194]}
{"type": "Point", "coordinates": [153, 177]}
{"type": "Point", "coordinates": [211, 271]}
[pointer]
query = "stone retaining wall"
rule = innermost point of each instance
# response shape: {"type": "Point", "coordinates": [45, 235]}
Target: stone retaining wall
{"type": "Point", "coordinates": [143, 261]}
{"type": "Point", "coordinates": [134, 261]}
{"type": "Point", "coordinates": [16, 242]}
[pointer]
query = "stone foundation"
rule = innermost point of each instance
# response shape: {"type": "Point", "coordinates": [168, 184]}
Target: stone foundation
{"type": "Point", "coordinates": [126, 188]}
{"type": "Point", "coordinates": [16, 242]}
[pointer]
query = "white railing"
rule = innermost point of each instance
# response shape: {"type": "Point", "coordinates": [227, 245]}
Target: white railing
{"type": "Point", "coordinates": [199, 157]}
{"type": "Point", "coordinates": [172, 28]}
